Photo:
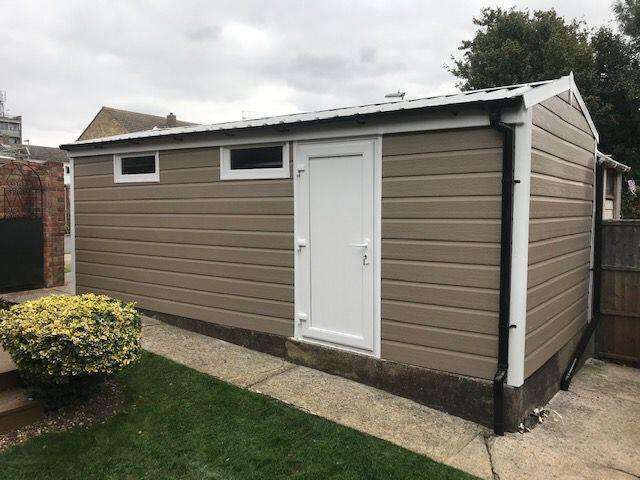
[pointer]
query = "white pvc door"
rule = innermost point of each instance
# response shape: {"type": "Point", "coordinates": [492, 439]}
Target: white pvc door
{"type": "Point", "coordinates": [335, 243]}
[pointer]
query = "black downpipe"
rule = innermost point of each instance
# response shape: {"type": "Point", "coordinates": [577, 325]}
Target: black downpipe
{"type": "Point", "coordinates": [506, 239]}
{"type": "Point", "coordinates": [595, 286]}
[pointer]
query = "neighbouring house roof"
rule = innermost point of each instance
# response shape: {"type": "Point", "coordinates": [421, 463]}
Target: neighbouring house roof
{"type": "Point", "coordinates": [529, 93]}
{"type": "Point", "coordinates": [113, 121]}
{"type": "Point", "coordinates": [33, 152]}
{"type": "Point", "coordinates": [611, 163]}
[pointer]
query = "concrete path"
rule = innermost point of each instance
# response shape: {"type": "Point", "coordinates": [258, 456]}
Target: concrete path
{"type": "Point", "coordinates": [593, 433]}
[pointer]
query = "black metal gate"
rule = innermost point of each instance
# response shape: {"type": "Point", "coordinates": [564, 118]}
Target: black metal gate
{"type": "Point", "coordinates": [21, 233]}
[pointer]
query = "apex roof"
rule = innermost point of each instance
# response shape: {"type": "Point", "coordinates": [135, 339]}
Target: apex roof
{"type": "Point", "coordinates": [110, 119]}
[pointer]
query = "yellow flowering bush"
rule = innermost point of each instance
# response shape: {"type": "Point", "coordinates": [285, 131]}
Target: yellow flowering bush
{"type": "Point", "coordinates": [58, 339]}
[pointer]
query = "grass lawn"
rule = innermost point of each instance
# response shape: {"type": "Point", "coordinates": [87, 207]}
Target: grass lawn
{"type": "Point", "coordinates": [181, 424]}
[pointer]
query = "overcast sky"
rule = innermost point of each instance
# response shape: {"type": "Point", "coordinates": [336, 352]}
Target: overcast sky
{"type": "Point", "coordinates": [208, 61]}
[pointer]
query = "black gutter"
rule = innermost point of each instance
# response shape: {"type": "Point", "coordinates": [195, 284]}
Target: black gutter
{"type": "Point", "coordinates": [595, 286]}
{"type": "Point", "coordinates": [506, 240]}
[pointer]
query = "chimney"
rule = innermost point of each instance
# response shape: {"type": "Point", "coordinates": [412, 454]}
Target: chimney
{"type": "Point", "coordinates": [171, 120]}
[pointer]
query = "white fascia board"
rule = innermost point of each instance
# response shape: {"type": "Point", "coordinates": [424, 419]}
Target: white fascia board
{"type": "Point", "coordinates": [593, 233]}
{"type": "Point", "coordinates": [520, 251]}
{"type": "Point", "coordinates": [546, 91]}
{"type": "Point", "coordinates": [372, 128]}
{"type": "Point", "coordinates": [72, 221]}
{"type": "Point", "coordinates": [585, 111]}
{"type": "Point", "coordinates": [549, 90]}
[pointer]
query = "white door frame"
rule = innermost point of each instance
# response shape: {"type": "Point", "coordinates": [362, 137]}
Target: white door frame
{"type": "Point", "coordinates": [301, 293]}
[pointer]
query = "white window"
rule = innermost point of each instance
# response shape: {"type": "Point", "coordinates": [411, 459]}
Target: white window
{"type": "Point", "coordinates": [254, 161]}
{"type": "Point", "coordinates": [136, 167]}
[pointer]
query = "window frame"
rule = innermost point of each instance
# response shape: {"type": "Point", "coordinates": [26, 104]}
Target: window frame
{"type": "Point", "coordinates": [610, 181]}
{"type": "Point", "coordinates": [119, 177]}
{"type": "Point", "coordinates": [227, 173]}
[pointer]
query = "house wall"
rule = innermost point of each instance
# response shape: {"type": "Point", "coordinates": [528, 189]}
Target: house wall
{"type": "Point", "coordinates": [562, 192]}
{"type": "Point", "coordinates": [222, 252]}
{"type": "Point", "coordinates": [190, 245]}
{"type": "Point", "coordinates": [441, 198]}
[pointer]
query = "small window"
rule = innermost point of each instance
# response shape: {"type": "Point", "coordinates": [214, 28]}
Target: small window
{"type": "Point", "coordinates": [610, 184]}
{"type": "Point", "coordinates": [136, 168]}
{"type": "Point", "coordinates": [254, 162]}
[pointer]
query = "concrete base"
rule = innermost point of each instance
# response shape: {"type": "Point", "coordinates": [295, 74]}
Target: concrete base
{"type": "Point", "coordinates": [540, 387]}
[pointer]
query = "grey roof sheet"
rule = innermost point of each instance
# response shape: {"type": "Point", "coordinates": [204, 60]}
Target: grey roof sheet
{"type": "Point", "coordinates": [475, 96]}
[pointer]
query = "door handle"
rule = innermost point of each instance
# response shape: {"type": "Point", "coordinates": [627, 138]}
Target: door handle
{"type": "Point", "coordinates": [365, 248]}
{"type": "Point", "coordinates": [360, 245]}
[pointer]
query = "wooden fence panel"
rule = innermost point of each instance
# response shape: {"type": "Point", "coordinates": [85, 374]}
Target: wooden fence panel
{"type": "Point", "coordinates": [618, 336]}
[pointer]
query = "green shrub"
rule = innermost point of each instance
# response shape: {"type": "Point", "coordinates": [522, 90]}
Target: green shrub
{"type": "Point", "coordinates": [62, 344]}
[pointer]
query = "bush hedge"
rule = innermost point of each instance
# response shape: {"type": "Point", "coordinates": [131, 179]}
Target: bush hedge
{"type": "Point", "coordinates": [61, 340]}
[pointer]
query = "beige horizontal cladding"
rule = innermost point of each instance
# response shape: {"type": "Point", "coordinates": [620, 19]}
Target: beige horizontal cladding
{"type": "Point", "coordinates": [455, 319]}
{"type": "Point", "coordinates": [444, 359]}
{"type": "Point", "coordinates": [220, 189]}
{"type": "Point", "coordinates": [255, 223]}
{"type": "Point", "coordinates": [252, 256]}
{"type": "Point", "coordinates": [224, 283]}
{"type": "Point", "coordinates": [193, 236]}
{"type": "Point", "coordinates": [463, 207]}
{"type": "Point", "coordinates": [543, 313]}
{"type": "Point", "coordinates": [441, 201]}
{"type": "Point", "coordinates": [546, 164]}
{"type": "Point", "coordinates": [460, 140]}
{"type": "Point", "coordinates": [538, 337]}
{"type": "Point", "coordinates": [553, 123]}
{"type": "Point", "coordinates": [542, 250]}
{"type": "Point", "coordinates": [538, 358]}
{"type": "Point", "coordinates": [547, 269]}
{"type": "Point", "coordinates": [442, 163]}
{"type": "Point", "coordinates": [550, 228]}
{"type": "Point", "coordinates": [562, 189]}
{"type": "Point", "coordinates": [236, 303]}
{"type": "Point", "coordinates": [190, 245]}
{"type": "Point", "coordinates": [441, 185]}
{"type": "Point", "coordinates": [436, 337]}
{"type": "Point", "coordinates": [547, 186]}
{"type": "Point", "coordinates": [230, 318]}
{"type": "Point", "coordinates": [262, 273]}
{"type": "Point", "coordinates": [545, 207]}
{"type": "Point", "coordinates": [566, 112]}
{"type": "Point", "coordinates": [439, 229]}
{"type": "Point", "coordinates": [544, 141]}
{"type": "Point", "coordinates": [477, 253]}
{"type": "Point", "coordinates": [453, 298]}
{"type": "Point", "coordinates": [222, 206]}
{"type": "Point", "coordinates": [548, 290]}
{"type": "Point", "coordinates": [463, 275]}
{"type": "Point", "coordinates": [169, 177]}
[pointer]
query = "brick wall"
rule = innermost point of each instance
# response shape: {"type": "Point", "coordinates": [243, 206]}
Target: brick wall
{"type": "Point", "coordinates": [25, 204]}
{"type": "Point", "coordinates": [53, 216]}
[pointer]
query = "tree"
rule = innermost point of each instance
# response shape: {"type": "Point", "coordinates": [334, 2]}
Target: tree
{"type": "Point", "coordinates": [515, 46]}
{"type": "Point", "coordinates": [615, 102]}
{"type": "Point", "coordinates": [628, 15]}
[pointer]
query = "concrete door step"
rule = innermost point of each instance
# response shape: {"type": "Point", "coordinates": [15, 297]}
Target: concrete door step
{"type": "Point", "coordinates": [17, 410]}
